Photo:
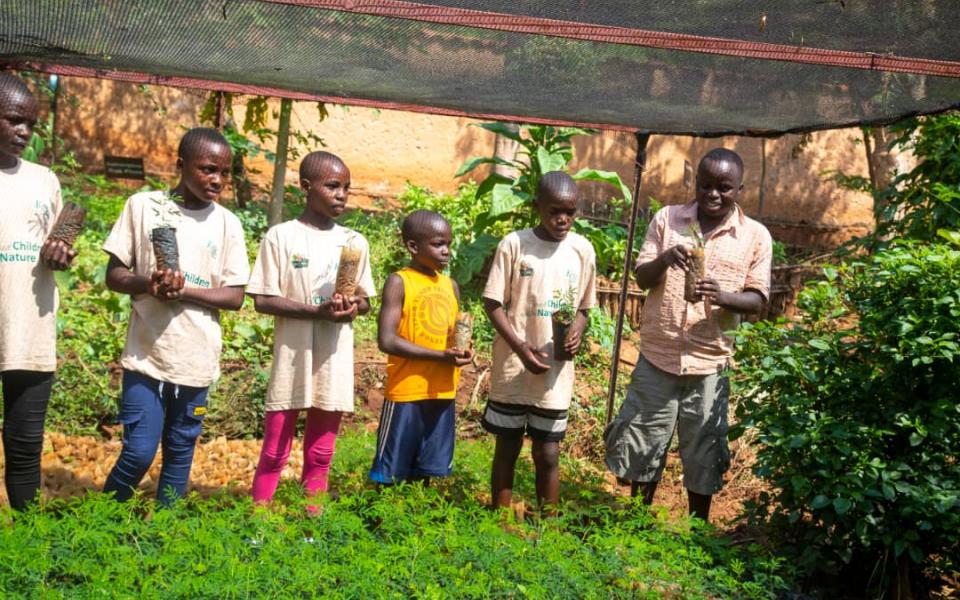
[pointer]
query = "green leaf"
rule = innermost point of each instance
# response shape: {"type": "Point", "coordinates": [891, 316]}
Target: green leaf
{"type": "Point", "coordinates": [476, 161]}
{"type": "Point", "coordinates": [951, 236]}
{"type": "Point", "coordinates": [501, 129]}
{"type": "Point", "coordinates": [916, 439]}
{"type": "Point", "coordinates": [819, 344]}
{"type": "Point", "coordinates": [504, 200]}
{"type": "Point", "coordinates": [609, 177]}
{"type": "Point", "coordinates": [841, 505]}
{"type": "Point", "coordinates": [550, 161]}
{"type": "Point", "coordinates": [487, 184]}
{"type": "Point", "coordinates": [819, 501]}
{"type": "Point", "coordinates": [245, 331]}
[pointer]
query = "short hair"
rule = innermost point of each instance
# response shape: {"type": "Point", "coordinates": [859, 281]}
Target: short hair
{"type": "Point", "coordinates": [198, 137]}
{"type": "Point", "coordinates": [312, 163]}
{"type": "Point", "coordinates": [418, 223]}
{"type": "Point", "coordinates": [11, 85]}
{"type": "Point", "coordinates": [724, 155]}
{"type": "Point", "coordinates": [556, 184]}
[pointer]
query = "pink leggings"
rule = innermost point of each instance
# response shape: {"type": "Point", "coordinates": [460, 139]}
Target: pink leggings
{"type": "Point", "coordinates": [319, 441]}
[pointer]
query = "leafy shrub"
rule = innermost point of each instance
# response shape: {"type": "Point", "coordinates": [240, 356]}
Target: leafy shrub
{"type": "Point", "coordinates": [855, 409]}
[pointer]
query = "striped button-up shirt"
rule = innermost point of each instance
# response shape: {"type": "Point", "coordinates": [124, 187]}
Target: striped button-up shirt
{"type": "Point", "coordinates": [678, 336]}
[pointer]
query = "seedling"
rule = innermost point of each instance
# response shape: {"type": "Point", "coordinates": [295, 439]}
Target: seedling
{"type": "Point", "coordinates": [69, 224]}
{"type": "Point", "coordinates": [348, 271]}
{"type": "Point", "coordinates": [164, 234]}
{"type": "Point", "coordinates": [696, 265]}
{"type": "Point", "coordinates": [462, 331]}
{"type": "Point", "coordinates": [562, 319]}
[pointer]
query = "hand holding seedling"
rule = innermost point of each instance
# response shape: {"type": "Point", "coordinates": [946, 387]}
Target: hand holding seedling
{"type": "Point", "coordinates": [676, 257]}
{"type": "Point", "coordinates": [57, 255]}
{"type": "Point", "coordinates": [710, 290]}
{"type": "Point", "coordinates": [339, 309]}
{"type": "Point", "coordinates": [458, 357]}
{"type": "Point", "coordinates": [166, 284]}
{"type": "Point", "coordinates": [575, 335]}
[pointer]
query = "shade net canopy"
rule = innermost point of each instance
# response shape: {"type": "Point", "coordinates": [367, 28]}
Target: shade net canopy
{"type": "Point", "coordinates": [704, 67]}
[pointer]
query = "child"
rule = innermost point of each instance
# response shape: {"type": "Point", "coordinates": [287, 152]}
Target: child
{"type": "Point", "coordinates": [678, 382]}
{"type": "Point", "coordinates": [173, 343]}
{"type": "Point", "coordinates": [28, 294]}
{"type": "Point", "coordinates": [294, 279]}
{"type": "Point", "coordinates": [530, 391]}
{"type": "Point", "coordinates": [416, 434]}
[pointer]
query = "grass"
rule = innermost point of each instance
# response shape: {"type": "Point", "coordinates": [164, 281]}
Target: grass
{"type": "Point", "coordinates": [408, 541]}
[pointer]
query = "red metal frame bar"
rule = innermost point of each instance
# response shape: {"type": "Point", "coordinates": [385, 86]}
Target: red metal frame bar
{"type": "Point", "coordinates": [414, 11]}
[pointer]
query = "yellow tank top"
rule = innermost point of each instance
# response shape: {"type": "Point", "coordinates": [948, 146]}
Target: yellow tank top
{"type": "Point", "coordinates": [428, 317]}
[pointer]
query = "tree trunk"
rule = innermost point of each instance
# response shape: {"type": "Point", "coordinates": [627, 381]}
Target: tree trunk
{"type": "Point", "coordinates": [275, 214]}
{"type": "Point", "coordinates": [506, 149]}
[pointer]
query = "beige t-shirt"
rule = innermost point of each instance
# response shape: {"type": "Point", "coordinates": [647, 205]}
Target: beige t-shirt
{"type": "Point", "coordinates": [312, 360]}
{"type": "Point", "coordinates": [526, 274]}
{"type": "Point", "coordinates": [29, 204]}
{"type": "Point", "coordinates": [178, 342]}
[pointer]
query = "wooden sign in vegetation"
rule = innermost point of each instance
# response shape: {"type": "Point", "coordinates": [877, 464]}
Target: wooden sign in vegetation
{"type": "Point", "coordinates": [123, 167]}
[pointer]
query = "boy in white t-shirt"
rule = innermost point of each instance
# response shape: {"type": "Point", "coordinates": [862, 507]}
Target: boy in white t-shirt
{"type": "Point", "coordinates": [294, 279]}
{"type": "Point", "coordinates": [530, 391]}
{"type": "Point", "coordinates": [30, 202]}
{"type": "Point", "coordinates": [173, 343]}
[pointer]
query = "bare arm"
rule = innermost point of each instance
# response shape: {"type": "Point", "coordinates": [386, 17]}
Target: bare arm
{"type": "Point", "coordinates": [329, 310]}
{"type": "Point", "coordinates": [532, 359]}
{"type": "Point", "coordinates": [163, 285]}
{"type": "Point", "coordinates": [746, 302]}
{"type": "Point", "coordinates": [652, 272]}
{"type": "Point", "coordinates": [391, 343]}
{"type": "Point", "coordinates": [222, 298]}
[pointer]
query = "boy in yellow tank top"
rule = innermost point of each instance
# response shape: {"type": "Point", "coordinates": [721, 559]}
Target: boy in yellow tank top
{"type": "Point", "coordinates": [417, 425]}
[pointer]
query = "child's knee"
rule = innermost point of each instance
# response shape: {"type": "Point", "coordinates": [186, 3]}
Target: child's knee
{"type": "Point", "coordinates": [546, 455]}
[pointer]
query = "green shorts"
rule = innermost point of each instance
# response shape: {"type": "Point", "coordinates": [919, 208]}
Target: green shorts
{"type": "Point", "coordinates": [657, 402]}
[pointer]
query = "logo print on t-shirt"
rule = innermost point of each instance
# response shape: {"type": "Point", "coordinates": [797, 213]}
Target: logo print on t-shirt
{"type": "Point", "coordinates": [526, 269]}
{"type": "Point", "coordinates": [431, 313]}
{"type": "Point", "coordinates": [299, 261]}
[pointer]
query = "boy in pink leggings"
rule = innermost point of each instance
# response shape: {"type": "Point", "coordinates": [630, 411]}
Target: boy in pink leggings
{"type": "Point", "coordinates": [294, 279]}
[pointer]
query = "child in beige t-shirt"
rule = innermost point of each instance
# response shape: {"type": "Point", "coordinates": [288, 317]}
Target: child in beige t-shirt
{"type": "Point", "coordinates": [30, 202]}
{"type": "Point", "coordinates": [173, 343]}
{"type": "Point", "coordinates": [530, 390]}
{"type": "Point", "coordinates": [294, 279]}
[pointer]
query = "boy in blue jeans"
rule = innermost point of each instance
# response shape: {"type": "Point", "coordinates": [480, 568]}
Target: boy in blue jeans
{"type": "Point", "coordinates": [173, 343]}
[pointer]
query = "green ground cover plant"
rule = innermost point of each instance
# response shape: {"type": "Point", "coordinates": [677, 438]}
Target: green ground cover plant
{"type": "Point", "coordinates": [407, 541]}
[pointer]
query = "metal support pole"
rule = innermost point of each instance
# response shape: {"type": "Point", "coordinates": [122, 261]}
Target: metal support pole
{"type": "Point", "coordinates": [640, 164]}
{"type": "Point", "coordinates": [275, 213]}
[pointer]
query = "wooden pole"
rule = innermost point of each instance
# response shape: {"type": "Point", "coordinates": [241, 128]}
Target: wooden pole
{"type": "Point", "coordinates": [218, 111]}
{"type": "Point", "coordinates": [640, 164]}
{"type": "Point", "coordinates": [275, 214]}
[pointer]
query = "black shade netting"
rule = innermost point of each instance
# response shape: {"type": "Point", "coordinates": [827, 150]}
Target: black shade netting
{"type": "Point", "coordinates": [490, 72]}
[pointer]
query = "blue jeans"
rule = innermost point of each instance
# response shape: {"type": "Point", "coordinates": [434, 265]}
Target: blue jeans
{"type": "Point", "coordinates": [152, 412]}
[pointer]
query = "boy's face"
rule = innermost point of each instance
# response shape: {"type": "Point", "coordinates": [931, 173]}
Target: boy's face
{"type": "Point", "coordinates": [557, 212]}
{"type": "Point", "coordinates": [718, 184]}
{"type": "Point", "coordinates": [205, 171]}
{"type": "Point", "coordinates": [432, 248]}
{"type": "Point", "coordinates": [327, 189]}
{"type": "Point", "coordinates": [18, 115]}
